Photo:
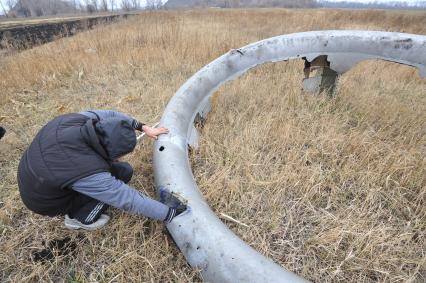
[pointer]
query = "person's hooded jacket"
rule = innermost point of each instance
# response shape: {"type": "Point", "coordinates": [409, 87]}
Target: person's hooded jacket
{"type": "Point", "coordinates": [69, 148]}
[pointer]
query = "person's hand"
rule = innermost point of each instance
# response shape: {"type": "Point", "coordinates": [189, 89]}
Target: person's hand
{"type": "Point", "coordinates": [154, 132]}
{"type": "Point", "coordinates": [176, 204]}
{"type": "Point", "coordinates": [171, 199]}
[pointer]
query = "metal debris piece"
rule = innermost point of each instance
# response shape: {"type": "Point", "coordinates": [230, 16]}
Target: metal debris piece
{"type": "Point", "coordinates": [324, 80]}
{"type": "Point", "coordinates": [206, 242]}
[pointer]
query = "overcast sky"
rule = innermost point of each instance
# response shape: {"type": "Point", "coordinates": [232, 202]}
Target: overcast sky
{"type": "Point", "coordinates": [143, 2]}
{"type": "Point", "coordinates": [380, 1]}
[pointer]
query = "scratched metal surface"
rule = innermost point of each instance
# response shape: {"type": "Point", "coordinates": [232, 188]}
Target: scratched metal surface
{"type": "Point", "coordinates": [205, 241]}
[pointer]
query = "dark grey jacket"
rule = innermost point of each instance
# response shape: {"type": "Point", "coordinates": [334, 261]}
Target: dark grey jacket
{"type": "Point", "coordinates": [65, 150]}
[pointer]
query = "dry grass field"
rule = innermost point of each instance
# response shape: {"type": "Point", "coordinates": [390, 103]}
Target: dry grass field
{"type": "Point", "coordinates": [332, 189]}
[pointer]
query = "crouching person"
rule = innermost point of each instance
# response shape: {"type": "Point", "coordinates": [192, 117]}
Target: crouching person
{"type": "Point", "coordinates": [71, 168]}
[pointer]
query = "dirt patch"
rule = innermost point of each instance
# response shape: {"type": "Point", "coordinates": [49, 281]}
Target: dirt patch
{"type": "Point", "coordinates": [55, 248]}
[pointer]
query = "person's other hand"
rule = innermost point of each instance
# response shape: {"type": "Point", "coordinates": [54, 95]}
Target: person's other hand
{"type": "Point", "coordinates": [176, 204]}
{"type": "Point", "coordinates": [154, 132]}
{"type": "Point", "coordinates": [171, 199]}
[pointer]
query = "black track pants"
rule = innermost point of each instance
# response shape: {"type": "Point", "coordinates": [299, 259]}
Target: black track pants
{"type": "Point", "coordinates": [86, 209]}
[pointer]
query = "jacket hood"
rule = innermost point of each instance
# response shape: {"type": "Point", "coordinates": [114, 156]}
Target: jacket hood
{"type": "Point", "coordinates": [116, 136]}
{"type": "Point", "coordinates": [91, 138]}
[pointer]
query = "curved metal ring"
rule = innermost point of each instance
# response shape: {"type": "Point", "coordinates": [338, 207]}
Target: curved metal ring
{"type": "Point", "coordinates": [204, 240]}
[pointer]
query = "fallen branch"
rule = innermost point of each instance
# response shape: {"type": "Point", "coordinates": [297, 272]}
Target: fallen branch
{"type": "Point", "coordinates": [227, 217]}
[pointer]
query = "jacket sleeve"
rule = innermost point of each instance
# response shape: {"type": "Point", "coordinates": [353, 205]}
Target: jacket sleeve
{"type": "Point", "coordinates": [106, 188]}
{"type": "Point", "coordinates": [105, 114]}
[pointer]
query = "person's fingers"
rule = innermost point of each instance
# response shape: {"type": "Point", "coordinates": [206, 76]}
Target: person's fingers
{"type": "Point", "coordinates": [152, 136]}
{"type": "Point", "coordinates": [162, 131]}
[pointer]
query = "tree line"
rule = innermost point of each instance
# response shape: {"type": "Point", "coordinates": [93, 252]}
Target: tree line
{"type": "Point", "coordinates": [37, 8]}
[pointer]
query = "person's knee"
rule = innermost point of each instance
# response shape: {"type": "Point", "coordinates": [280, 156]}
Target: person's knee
{"type": "Point", "coordinates": [128, 173]}
{"type": "Point", "coordinates": [122, 171]}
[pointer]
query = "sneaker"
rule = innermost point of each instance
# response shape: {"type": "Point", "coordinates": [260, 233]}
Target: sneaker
{"type": "Point", "coordinates": [74, 224]}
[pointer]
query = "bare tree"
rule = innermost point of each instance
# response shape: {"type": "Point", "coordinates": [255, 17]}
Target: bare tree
{"type": "Point", "coordinates": [81, 5]}
{"type": "Point", "coordinates": [89, 7]}
{"type": "Point", "coordinates": [150, 4]}
{"type": "Point", "coordinates": [21, 8]}
{"type": "Point", "coordinates": [136, 5]}
{"type": "Point", "coordinates": [86, 5]}
{"type": "Point", "coordinates": [126, 5]}
{"type": "Point", "coordinates": [112, 4]}
{"type": "Point", "coordinates": [154, 4]}
{"type": "Point", "coordinates": [10, 4]}
{"type": "Point", "coordinates": [104, 5]}
{"type": "Point", "coordinates": [235, 3]}
{"type": "Point", "coordinates": [4, 9]}
{"type": "Point", "coordinates": [94, 3]}
{"type": "Point", "coordinates": [75, 6]}
{"type": "Point", "coordinates": [39, 11]}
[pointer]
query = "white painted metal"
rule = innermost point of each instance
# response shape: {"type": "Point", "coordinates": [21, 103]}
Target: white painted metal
{"type": "Point", "coordinates": [205, 241]}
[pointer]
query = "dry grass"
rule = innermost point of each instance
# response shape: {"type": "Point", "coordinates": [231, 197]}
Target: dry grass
{"type": "Point", "coordinates": [334, 190]}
